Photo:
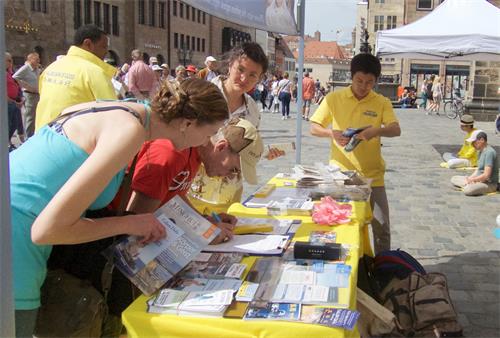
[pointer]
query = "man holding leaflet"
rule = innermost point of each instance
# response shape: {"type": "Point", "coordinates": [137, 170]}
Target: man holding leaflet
{"type": "Point", "coordinates": [162, 172]}
{"type": "Point", "coordinates": [359, 106]}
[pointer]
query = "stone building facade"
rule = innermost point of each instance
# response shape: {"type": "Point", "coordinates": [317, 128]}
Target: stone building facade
{"type": "Point", "coordinates": [159, 28]}
{"type": "Point", "coordinates": [34, 26]}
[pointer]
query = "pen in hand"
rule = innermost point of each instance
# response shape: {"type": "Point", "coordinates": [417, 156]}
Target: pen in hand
{"type": "Point", "coordinates": [217, 219]}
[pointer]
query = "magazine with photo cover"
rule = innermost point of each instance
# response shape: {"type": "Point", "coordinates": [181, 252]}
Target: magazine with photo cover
{"type": "Point", "coordinates": [215, 265]}
{"type": "Point", "coordinates": [150, 266]}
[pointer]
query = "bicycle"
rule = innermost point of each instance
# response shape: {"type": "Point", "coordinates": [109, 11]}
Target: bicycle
{"type": "Point", "coordinates": [454, 107]}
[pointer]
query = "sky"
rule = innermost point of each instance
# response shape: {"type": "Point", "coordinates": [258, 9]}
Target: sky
{"type": "Point", "coordinates": [328, 16]}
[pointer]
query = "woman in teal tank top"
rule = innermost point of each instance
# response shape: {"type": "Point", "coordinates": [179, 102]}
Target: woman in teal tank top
{"type": "Point", "coordinates": [77, 163]}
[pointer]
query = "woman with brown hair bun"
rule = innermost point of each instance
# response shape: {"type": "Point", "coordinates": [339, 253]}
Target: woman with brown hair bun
{"type": "Point", "coordinates": [77, 162]}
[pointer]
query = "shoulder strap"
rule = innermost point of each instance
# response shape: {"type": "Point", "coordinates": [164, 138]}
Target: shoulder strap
{"type": "Point", "coordinates": [74, 113]}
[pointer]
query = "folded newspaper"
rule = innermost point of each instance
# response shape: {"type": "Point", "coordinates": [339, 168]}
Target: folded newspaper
{"type": "Point", "coordinates": [150, 266]}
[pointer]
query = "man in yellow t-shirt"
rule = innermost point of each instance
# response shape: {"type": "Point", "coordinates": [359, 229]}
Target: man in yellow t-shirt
{"type": "Point", "coordinates": [355, 107]}
{"type": "Point", "coordinates": [467, 156]}
{"type": "Point", "coordinates": [77, 77]}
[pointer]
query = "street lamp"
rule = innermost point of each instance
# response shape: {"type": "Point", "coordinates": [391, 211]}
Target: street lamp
{"type": "Point", "coordinates": [184, 54]}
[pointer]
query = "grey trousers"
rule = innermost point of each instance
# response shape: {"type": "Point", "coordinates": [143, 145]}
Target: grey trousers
{"type": "Point", "coordinates": [473, 189]}
{"type": "Point", "coordinates": [29, 113]}
{"type": "Point", "coordinates": [381, 228]}
{"type": "Point", "coordinates": [25, 322]}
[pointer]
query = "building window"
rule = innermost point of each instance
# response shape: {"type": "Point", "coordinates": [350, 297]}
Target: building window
{"type": "Point", "coordinates": [187, 41]}
{"type": "Point", "coordinates": [193, 43]}
{"type": "Point", "coordinates": [39, 6]}
{"type": "Point", "coordinates": [174, 8]}
{"type": "Point", "coordinates": [193, 13]}
{"type": "Point", "coordinates": [203, 17]}
{"type": "Point", "coordinates": [141, 12]}
{"type": "Point", "coordinates": [86, 12]}
{"type": "Point", "coordinates": [424, 4]}
{"type": "Point", "coordinates": [199, 16]}
{"type": "Point", "coordinates": [114, 20]}
{"type": "Point", "coordinates": [203, 44]}
{"type": "Point", "coordinates": [198, 44]}
{"type": "Point", "coordinates": [379, 23]}
{"type": "Point", "coordinates": [106, 21]}
{"type": "Point", "coordinates": [161, 10]}
{"type": "Point", "coordinates": [152, 13]}
{"type": "Point", "coordinates": [380, 1]}
{"type": "Point", "coordinates": [187, 12]}
{"type": "Point", "coordinates": [181, 10]}
{"type": "Point", "coordinates": [97, 14]}
{"type": "Point", "coordinates": [77, 13]}
{"type": "Point", "coordinates": [176, 40]}
{"type": "Point", "coordinates": [182, 41]}
{"type": "Point", "coordinates": [391, 21]}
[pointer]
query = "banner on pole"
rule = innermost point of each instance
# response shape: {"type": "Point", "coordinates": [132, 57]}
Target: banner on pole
{"type": "Point", "coordinates": [275, 16]}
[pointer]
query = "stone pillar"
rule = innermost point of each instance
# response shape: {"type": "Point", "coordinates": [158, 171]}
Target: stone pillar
{"type": "Point", "coordinates": [486, 95]}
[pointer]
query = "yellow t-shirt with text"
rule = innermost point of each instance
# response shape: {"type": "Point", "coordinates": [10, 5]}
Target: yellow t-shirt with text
{"type": "Point", "coordinates": [78, 77]}
{"type": "Point", "coordinates": [342, 110]}
{"type": "Point", "coordinates": [468, 151]}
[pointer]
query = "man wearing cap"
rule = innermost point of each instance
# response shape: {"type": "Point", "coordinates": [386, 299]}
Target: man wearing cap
{"type": "Point", "coordinates": [467, 156]}
{"type": "Point", "coordinates": [485, 178]}
{"type": "Point", "coordinates": [191, 71]}
{"type": "Point", "coordinates": [210, 71]}
{"type": "Point", "coordinates": [162, 172]}
{"type": "Point", "coordinates": [165, 76]}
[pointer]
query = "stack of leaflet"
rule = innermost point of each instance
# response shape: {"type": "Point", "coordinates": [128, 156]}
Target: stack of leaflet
{"type": "Point", "coordinates": [284, 201]}
{"type": "Point", "coordinates": [318, 284]}
{"type": "Point", "coordinates": [200, 297]}
{"type": "Point", "coordinates": [312, 176]}
{"type": "Point", "coordinates": [191, 303]}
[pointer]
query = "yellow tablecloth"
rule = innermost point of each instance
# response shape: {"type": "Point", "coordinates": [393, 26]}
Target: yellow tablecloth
{"type": "Point", "coordinates": [139, 323]}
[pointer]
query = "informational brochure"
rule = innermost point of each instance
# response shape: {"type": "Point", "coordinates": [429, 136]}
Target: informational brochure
{"type": "Point", "coordinates": [252, 244]}
{"type": "Point", "coordinates": [151, 266]}
{"type": "Point", "coordinates": [273, 311]}
{"type": "Point", "coordinates": [342, 318]}
{"type": "Point", "coordinates": [204, 284]}
{"type": "Point", "coordinates": [312, 284]}
{"type": "Point", "coordinates": [191, 303]}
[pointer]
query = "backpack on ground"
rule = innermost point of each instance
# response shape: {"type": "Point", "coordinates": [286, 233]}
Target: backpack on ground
{"type": "Point", "coordinates": [422, 306]}
{"type": "Point", "coordinates": [394, 263]}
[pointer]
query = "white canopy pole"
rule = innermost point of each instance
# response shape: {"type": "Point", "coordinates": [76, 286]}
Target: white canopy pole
{"type": "Point", "coordinates": [301, 10]}
{"type": "Point", "coordinates": [7, 326]}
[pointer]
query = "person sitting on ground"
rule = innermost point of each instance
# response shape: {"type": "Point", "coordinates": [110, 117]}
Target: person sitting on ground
{"type": "Point", "coordinates": [405, 99]}
{"type": "Point", "coordinates": [467, 156]}
{"type": "Point", "coordinates": [484, 179]}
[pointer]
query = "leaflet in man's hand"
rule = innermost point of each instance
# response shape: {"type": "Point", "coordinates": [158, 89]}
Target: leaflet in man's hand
{"type": "Point", "coordinates": [152, 265]}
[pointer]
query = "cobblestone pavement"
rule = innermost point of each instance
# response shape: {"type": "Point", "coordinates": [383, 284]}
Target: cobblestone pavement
{"type": "Point", "coordinates": [445, 230]}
